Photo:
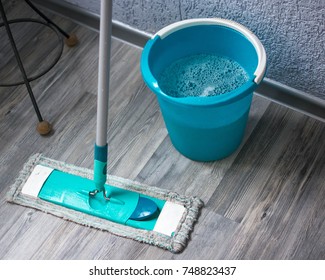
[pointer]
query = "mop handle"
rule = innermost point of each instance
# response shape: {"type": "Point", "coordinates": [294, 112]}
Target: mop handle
{"type": "Point", "coordinates": [100, 164]}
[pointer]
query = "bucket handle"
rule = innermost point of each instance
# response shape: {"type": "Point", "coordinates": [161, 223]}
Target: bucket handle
{"type": "Point", "coordinates": [261, 54]}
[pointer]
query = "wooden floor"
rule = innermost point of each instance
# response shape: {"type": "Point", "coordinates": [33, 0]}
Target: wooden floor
{"type": "Point", "coordinates": [266, 201]}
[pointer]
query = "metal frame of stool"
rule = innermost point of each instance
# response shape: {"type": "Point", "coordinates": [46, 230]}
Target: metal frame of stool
{"type": "Point", "coordinates": [43, 127]}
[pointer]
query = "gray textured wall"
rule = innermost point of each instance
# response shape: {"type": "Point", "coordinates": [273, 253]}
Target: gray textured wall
{"type": "Point", "coordinates": [292, 31]}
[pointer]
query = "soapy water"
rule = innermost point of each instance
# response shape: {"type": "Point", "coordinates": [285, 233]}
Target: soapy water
{"type": "Point", "coordinates": [202, 75]}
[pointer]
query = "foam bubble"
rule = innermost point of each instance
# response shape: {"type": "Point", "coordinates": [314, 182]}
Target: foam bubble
{"type": "Point", "coordinates": [202, 75]}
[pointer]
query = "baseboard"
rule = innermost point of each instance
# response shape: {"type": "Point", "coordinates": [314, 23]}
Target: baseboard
{"type": "Point", "coordinates": [91, 20]}
{"type": "Point", "coordinates": [277, 92]}
{"type": "Point", "coordinates": [293, 98]}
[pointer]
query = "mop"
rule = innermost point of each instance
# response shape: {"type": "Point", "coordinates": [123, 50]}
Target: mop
{"type": "Point", "coordinates": [92, 198]}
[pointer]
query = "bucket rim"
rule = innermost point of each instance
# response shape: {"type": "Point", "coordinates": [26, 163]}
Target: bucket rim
{"type": "Point", "coordinates": [218, 100]}
{"type": "Point", "coordinates": [261, 54]}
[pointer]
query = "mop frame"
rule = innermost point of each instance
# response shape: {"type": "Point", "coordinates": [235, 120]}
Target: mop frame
{"type": "Point", "coordinates": [175, 243]}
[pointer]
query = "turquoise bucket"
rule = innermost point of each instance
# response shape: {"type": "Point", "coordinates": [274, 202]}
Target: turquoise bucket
{"type": "Point", "coordinates": [205, 128]}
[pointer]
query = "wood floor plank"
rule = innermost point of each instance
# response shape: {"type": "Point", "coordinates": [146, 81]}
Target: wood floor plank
{"type": "Point", "coordinates": [284, 229]}
{"type": "Point", "coordinates": [253, 165]}
{"type": "Point", "coordinates": [212, 238]}
{"type": "Point", "coordinates": [276, 212]}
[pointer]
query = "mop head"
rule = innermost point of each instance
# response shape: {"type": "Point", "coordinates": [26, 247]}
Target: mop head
{"type": "Point", "coordinates": [172, 228]}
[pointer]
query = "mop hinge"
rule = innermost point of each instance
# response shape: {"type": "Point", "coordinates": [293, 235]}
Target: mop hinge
{"type": "Point", "coordinates": [94, 192]}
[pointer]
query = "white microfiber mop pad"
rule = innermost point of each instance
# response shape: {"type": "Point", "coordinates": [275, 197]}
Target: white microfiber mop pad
{"type": "Point", "coordinates": [183, 210]}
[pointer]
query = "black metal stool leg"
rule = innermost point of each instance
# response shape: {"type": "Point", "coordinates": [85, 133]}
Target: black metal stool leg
{"type": "Point", "coordinates": [23, 72]}
{"type": "Point", "coordinates": [71, 40]}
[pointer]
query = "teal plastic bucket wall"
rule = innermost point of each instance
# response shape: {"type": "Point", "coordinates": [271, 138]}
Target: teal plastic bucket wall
{"type": "Point", "coordinates": [202, 128]}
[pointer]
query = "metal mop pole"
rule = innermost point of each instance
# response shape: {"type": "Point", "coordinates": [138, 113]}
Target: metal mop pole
{"type": "Point", "coordinates": [100, 164]}
{"type": "Point", "coordinates": [146, 208]}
